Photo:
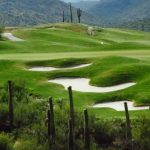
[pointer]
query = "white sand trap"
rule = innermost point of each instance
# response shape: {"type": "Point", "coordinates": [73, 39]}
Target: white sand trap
{"type": "Point", "coordinates": [53, 68]}
{"type": "Point", "coordinates": [10, 37]}
{"type": "Point", "coordinates": [82, 85]}
{"type": "Point", "coordinates": [119, 106]}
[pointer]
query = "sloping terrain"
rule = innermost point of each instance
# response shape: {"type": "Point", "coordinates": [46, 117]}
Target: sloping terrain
{"type": "Point", "coordinates": [31, 12]}
{"type": "Point", "coordinates": [57, 44]}
{"type": "Point", "coordinates": [74, 38]}
{"type": "Point", "coordinates": [38, 114]}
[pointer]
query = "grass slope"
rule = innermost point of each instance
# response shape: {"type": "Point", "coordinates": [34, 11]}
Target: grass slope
{"type": "Point", "coordinates": [63, 38]}
{"type": "Point", "coordinates": [62, 45]}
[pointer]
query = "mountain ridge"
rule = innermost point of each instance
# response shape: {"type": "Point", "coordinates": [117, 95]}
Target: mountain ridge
{"type": "Point", "coordinates": [33, 12]}
{"type": "Point", "coordinates": [118, 11]}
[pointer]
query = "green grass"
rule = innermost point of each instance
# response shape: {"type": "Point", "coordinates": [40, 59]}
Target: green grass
{"type": "Point", "coordinates": [103, 72]}
{"type": "Point", "coordinates": [67, 38]}
{"type": "Point", "coordinates": [140, 54]}
{"type": "Point", "coordinates": [124, 57]}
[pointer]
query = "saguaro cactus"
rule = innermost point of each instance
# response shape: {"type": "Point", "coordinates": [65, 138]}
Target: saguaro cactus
{"type": "Point", "coordinates": [86, 131]}
{"type": "Point", "coordinates": [142, 27]}
{"type": "Point", "coordinates": [79, 13]}
{"type": "Point", "coordinates": [52, 123]}
{"type": "Point", "coordinates": [71, 105]}
{"type": "Point", "coordinates": [128, 128]}
{"type": "Point", "coordinates": [63, 16]}
{"type": "Point", "coordinates": [128, 124]}
{"type": "Point", "coordinates": [70, 135]}
{"type": "Point", "coordinates": [48, 124]}
{"type": "Point", "coordinates": [10, 102]}
{"type": "Point", "coordinates": [49, 128]}
{"type": "Point", "coordinates": [71, 15]}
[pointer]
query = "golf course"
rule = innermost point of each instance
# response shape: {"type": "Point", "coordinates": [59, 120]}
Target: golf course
{"type": "Point", "coordinates": [111, 66]}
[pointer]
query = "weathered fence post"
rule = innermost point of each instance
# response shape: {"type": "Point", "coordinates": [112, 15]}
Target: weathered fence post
{"type": "Point", "coordinates": [128, 127]}
{"type": "Point", "coordinates": [52, 123]}
{"type": "Point", "coordinates": [86, 131]}
{"type": "Point", "coordinates": [70, 135]}
{"type": "Point", "coordinates": [10, 103]}
{"type": "Point", "coordinates": [71, 105]}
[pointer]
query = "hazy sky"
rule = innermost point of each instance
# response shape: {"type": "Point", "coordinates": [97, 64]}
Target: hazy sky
{"type": "Point", "coordinates": [77, 0]}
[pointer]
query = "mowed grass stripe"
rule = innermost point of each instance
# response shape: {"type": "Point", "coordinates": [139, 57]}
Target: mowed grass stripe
{"type": "Point", "coordinates": [140, 54]}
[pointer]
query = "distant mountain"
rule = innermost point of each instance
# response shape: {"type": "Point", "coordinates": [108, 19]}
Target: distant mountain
{"type": "Point", "coordinates": [143, 25]}
{"type": "Point", "coordinates": [85, 5]}
{"type": "Point", "coordinates": [32, 12]}
{"type": "Point", "coordinates": [117, 11]}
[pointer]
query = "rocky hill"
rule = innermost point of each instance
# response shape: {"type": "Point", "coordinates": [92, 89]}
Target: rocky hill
{"type": "Point", "coordinates": [32, 12]}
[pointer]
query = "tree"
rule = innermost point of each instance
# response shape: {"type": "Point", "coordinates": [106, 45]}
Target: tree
{"type": "Point", "coordinates": [79, 13]}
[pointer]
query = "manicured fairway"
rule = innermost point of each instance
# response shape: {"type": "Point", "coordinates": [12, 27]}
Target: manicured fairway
{"type": "Point", "coordinates": [124, 57]}
{"type": "Point", "coordinates": [140, 54]}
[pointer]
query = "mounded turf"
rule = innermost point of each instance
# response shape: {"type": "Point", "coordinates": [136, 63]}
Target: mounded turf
{"type": "Point", "coordinates": [74, 38]}
{"type": "Point", "coordinates": [61, 45]}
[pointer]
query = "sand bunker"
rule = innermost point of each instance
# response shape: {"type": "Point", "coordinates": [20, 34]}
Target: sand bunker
{"type": "Point", "coordinates": [53, 68]}
{"type": "Point", "coordinates": [10, 37]}
{"type": "Point", "coordinates": [82, 85]}
{"type": "Point", "coordinates": [119, 106]}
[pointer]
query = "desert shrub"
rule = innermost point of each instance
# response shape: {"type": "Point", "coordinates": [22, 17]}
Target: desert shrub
{"type": "Point", "coordinates": [141, 133]}
{"type": "Point", "coordinates": [104, 132]}
{"type": "Point", "coordinates": [26, 108]}
{"type": "Point", "coordinates": [30, 120]}
{"type": "Point", "coordinates": [21, 92]}
{"type": "Point", "coordinates": [3, 95]}
{"type": "Point", "coordinates": [5, 142]}
{"type": "Point", "coordinates": [28, 113]}
{"type": "Point", "coordinates": [3, 113]}
{"type": "Point", "coordinates": [25, 145]}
